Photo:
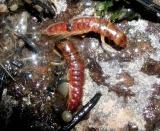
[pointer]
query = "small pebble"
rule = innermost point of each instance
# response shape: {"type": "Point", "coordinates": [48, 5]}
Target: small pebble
{"type": "Point", "coordinates": [13, 7]}
{"type": "Point", "coordinates": [132, 127]}
{"type": "Point", "coordinates": [126, 79]}
{"type": "Point", "coordinates": [38, 8]}
{"type": "Point", "coordinates": [151, 67]}
{"type": "Point", "coordinates": [63, 88]}
{"type": "Point", "coordinates": [3, 8]}
{"type": "Point", "coordinates": [21, 43]}
{"type": "Point", "coordinates": [67, 116]}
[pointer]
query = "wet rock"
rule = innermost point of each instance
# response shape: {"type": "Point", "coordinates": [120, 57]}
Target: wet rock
{"type": "Point", "coordinates": [152, 111]}
{"type": "Point", "coordinates": [104, 56]}
{"type": "Point", "coordinates": [125, 79]}
{"type": "Point", "coordinates": [138, 49]}
{"type": "Point", "coordinates": [129, 127]}
{"type": "Point", "coordinates": [157, 126]}
{"type": "Point", "coordinates": [72, 10]}
{"type": "Point", "coordinates": [91, 129]}
{"type": "Point", "coordinates": [96, 72]}
{"type": "Point", "coordinates": [151, 67]}
{"type": "Point", "coordinates": [125, 56]}
{"type": "Point", "coordinates": [143, 47]}
{"type": "Point", "coordinates": [88, 47]}
{"type": "Point", "coordinates": [132, 127]}
{"type": "Point", "coordinates": [40, 9]}
{"type": "Point", "coordinates": [22, 22]}
{"type": "Point", "coordinates": [121, 91]}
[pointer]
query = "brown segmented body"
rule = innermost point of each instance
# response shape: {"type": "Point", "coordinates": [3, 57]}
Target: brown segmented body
{"type": "Point", "coordinates": [56, 29]}
{"type": "Point", "coordinates": [88, 24]}
{"type": "Point", "coordinates": [76, 73]}
{"type": "Point", "coordinates": [76, 65]}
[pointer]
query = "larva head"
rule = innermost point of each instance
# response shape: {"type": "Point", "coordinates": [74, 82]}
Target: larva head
{"type": "Point", "coordinates": [120, 40]}
{"type": "Point", "coordinates": [116, 34]}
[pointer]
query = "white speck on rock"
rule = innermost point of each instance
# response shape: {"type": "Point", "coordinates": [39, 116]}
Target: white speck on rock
{"type": "Point", "coordinates": [27, 100]}
{"type": "Point", "coordinates": [61, 5]}
{"type": "Point", "coordinates": [88, 12]}
{"type": "Point", "coordinates": [139, 25]}
{"type": "Point", "coordinates": [155, 42]}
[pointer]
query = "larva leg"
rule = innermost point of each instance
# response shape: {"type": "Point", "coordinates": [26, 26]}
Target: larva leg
{"type": "Point", "coordinates": [105, 46]}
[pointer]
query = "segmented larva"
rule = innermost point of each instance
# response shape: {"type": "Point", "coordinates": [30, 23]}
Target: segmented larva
{"type": "Point", "coordinates": [88, 24]}
{"type": "Point", "coordinates": [75, 73]}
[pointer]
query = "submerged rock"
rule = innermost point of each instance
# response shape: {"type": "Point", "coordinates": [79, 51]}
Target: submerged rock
{"type": "Point", "coordinates": [151, 67]}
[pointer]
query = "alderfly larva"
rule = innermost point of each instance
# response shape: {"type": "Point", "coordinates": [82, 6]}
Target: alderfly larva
{"type": "Point", "coordinates": [83, 25]}
{"type": "Point", "coordinates": [75, 73]}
